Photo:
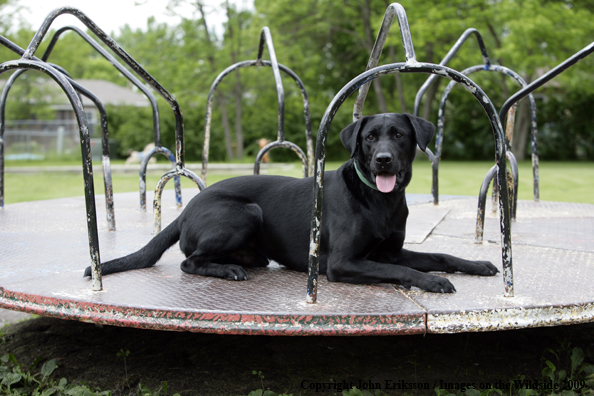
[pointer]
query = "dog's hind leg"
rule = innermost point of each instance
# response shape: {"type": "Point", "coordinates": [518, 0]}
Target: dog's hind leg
{"type": "Point", "coordinates": [196, 265]}
{"type": "Point", "coordinates": [222, 238]}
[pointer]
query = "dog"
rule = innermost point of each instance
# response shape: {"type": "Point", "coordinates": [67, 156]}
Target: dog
{"type": "Point", "coordinates": [262, 143]}
{"type": "Point", "coordinates": [136, 157]}
{"type": "Point", "coordinates": [248, 221]}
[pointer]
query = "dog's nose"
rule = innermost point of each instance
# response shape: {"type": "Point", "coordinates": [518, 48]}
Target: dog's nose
{"type": "Point", "coordinates": [383, 158]}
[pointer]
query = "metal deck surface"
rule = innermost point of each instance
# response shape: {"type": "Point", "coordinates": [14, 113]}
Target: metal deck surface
{"type": "Point", "coordinates": [44, 250]}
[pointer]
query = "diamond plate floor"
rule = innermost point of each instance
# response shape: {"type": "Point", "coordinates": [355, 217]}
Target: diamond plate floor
{"type": "Point", "coordinates": [44, 250]}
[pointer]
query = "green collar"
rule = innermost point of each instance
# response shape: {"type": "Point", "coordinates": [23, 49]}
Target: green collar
{"type": "Point", "coordinates": [363, 179]}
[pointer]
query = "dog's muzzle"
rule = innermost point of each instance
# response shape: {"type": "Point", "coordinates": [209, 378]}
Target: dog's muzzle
{"type": "Point", "coordinates": [385, 180]}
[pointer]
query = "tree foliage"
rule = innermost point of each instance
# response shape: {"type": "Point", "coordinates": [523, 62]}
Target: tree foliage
{"type": "Point", "coordinates": [327, 43]}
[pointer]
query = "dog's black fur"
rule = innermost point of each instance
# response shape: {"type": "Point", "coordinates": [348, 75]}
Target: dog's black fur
{"type": "Point", "coordinates": [247, 221]}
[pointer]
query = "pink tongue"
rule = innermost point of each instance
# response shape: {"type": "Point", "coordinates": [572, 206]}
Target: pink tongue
{"type": "Point", "coordinates": [385, 182]}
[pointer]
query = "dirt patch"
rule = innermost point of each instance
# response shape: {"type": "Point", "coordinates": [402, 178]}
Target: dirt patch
{"type": "Point", "coordinates": [207, 364]}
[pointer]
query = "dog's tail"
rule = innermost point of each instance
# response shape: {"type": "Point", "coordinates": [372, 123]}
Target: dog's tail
{"type": "Point", "coordinates": [145, 257]}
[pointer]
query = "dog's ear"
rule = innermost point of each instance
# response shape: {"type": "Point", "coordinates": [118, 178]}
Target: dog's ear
{"type": "Point", "coordinates": [349, 136]}
{"type": "Point", "coordinates": [424, 130]}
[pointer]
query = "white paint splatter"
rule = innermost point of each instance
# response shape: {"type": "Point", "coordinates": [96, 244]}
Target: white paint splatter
{"type": "Point", "coordinates": [469, 88]}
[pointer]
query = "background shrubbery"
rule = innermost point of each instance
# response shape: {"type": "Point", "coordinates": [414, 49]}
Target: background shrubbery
{"type": "Point", "coordinates": [327, 43]}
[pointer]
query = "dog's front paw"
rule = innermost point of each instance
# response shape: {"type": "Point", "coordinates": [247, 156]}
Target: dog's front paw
{"type": "Point", "coordinates": [435, 284]}
{"type": "Point", "coordinates": [87, 271]}
{"type": "Point", "coordinates": [484, 268]}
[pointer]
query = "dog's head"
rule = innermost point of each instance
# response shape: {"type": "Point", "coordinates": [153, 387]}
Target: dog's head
{"type": "Point", "coordinates": [384, 147]}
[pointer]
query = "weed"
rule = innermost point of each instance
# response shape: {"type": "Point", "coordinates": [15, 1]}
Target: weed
{"type": "Point", "coordinates": [18, 380]}
{"type": "Point", "coordinates": [564, 374]}
{"type": "Point", "coordinates": [358, 392]}
{"type": "Point", "coordinates": [124, 354]}
{"type": "Point", "coordinates": [570, 375]}
{"type": "Point", "coordinates": [262, 392]}
{"type": "Point", "coordinates": [260, 375]}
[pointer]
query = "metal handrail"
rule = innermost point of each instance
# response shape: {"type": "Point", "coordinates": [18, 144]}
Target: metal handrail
{"type": "Point", "coordinates": [85, 144]}
{"type": "Point", "coordinates": [362, 82]}
{"type": "Point", "coordinates": [158, 149]}
{"type": "Point", "coordinates": [446, 59]}
{"type": "Point", "coordinates": [109, 203]}
{"type": "Point", "coordinates": [509, 134]}
{"type": "Point", "coordinates": [265, 38]}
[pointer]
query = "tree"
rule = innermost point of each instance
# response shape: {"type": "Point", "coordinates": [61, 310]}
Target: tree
{"type": "Point", "coordinates": [6, 15]}
{"type": "Point", "coordinates": [327, 43]}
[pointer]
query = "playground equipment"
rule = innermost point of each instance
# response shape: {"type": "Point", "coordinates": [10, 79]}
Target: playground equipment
{"type": "Point", "coordinates": [507, 109]}
{"type": "Point", "coordinates": [487, 66]}
{"type": "Point", "coordinates": [158, 149]}
{"type": "Point", "coordinates": [104, 133]}
{"type": "Point", "coordinates": [28, 61]}
{"type": "Point", "coordinates": [307, 161]}
{"type": "Point", "coordinates": [147, 92]}
{"type": "Point", "coordinates": [363, 81]}
{"type": "Point", "coordinates": [51, 284]}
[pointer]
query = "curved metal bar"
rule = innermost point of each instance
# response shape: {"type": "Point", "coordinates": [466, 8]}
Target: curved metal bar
{"type": "Point", "coordinates": [509, 129]}
{"type": "Point", "coordinates": [512, 175]}
{"type": "Point", "coordinates": [142, 175]}
{"type": "Point", "coordinates": [393, 10]}
{"type": "Point", "coordinates": [482, 200]}
{"type": "Point", "coordinates": [142, 181]}
{"type": "Point", "coordinates": [128, 60]}
{"type": "Point", "coordinates": [435, 168]}
{"type": "Point", "coordinates": [3, 98]}
{"type": "Point", "coordinates": [266, 37]}
{"type": "Point", "coordinates": [11, 46]}
{"type": "Point", "coordinates": [85, 146]}
{"type": "Point", "coordinates": [109, 202]}
{"type": "Point", "coordinates": [448, 57]}
{"type": "Point", "coordinates": [500, 151]}
{"type": "Point", "coordinates": [545, 78]}
{"type": "Point", "coordinates": [147, 92]}
{"type": "Point", "coordinates": [209, 102]}
{"type": "Point", "coordinates": [285, 144]}
{"type": "Point", "coordinates": [534, 85]}
{"type": "Point", "coordinates": [161, 186]}
{"type": "Point", "coordinates": [135, 66]}
{"type": "Point", "coordinates": [18, 50]}
{"type": "Point", "coordinates": [466, 72]}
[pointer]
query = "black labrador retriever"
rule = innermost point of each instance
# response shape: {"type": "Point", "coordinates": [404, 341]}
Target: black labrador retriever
{"type": "Point", "coordinates": [249, 220]}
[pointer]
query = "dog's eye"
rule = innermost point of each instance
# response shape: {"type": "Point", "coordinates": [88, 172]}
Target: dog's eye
{"type": "Point", "coordinates": [370, 137]}
{"type": "Point", "coordinates": [399, 135]}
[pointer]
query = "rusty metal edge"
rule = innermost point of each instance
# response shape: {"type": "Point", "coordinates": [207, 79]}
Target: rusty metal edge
{"type": "Point", "coordinates": [509, 318]}
{"type": "Point", "coordinates": [215, 322]}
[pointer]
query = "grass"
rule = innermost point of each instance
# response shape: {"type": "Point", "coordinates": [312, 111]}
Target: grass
{"type": "Point", "coordinates": [559, 181]}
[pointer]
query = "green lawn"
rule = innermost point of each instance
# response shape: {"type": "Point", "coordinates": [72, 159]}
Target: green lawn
{"type": "Point", "coordinates": [559, 181]}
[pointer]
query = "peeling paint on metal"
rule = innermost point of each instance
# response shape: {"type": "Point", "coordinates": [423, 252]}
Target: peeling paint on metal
{"type": "Point", "coordinates": [414, 63]}
{"type": "Point", "coordinates": [109, 204]}
{"type": "Point", "coordinates": [471, 89]}
{"type": "Point", "coordinates": [313, 249]}
{"type": "Point", "coordinates": [215, 322]}
{"type": "Point", "coordinates": [509, 318]}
